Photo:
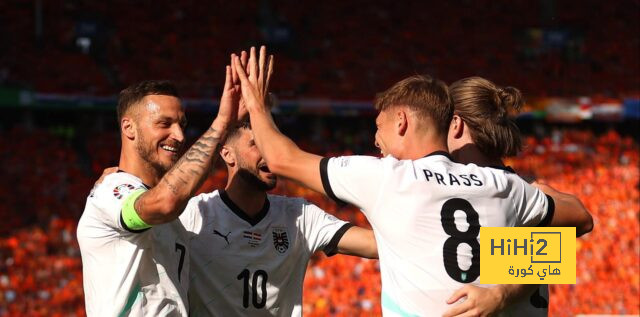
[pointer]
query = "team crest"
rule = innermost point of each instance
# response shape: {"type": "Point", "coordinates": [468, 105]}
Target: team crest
{"type": "Point", "coordinates": [123, 189]}
{"type": "Point", "coordinates": [280, 240]}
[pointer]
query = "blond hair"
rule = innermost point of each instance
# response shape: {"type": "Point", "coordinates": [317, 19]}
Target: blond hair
{"type": "Point", "coordinates": [428, 96]}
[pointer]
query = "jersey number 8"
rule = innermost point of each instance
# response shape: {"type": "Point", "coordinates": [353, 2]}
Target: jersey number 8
{"type": "Point", "coordinates": [457, 237]}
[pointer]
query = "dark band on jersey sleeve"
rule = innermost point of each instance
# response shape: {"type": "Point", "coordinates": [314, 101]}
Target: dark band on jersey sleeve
{"type": "Point", "coordinates": [551, 209]}
{"type": "Point", "coordinates": [332, 247]}
{"type": "Point", "coordinates": [124, 225]}
{"type": "Point", "coordinates": [324, 176]}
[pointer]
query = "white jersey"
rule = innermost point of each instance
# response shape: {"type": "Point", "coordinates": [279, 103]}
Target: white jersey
{"type": "Point", "coordinates": [254, 267]}
{"type": "Point", "coordinates": [426, 215]}
{"type": "Point", "coordinates": [127, 272]}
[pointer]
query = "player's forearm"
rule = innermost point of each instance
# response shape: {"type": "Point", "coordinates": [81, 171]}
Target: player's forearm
{"type": "Point", "coordinates": [276, 148]}
{"type": "Point", "coordinates": [166, 201]}
{"type": "Point", "coordinates": [282, 155]}
{"type": "Point", "coordinates": [359, 242]}
{"type": "Point", "coordinates": [569, 210]}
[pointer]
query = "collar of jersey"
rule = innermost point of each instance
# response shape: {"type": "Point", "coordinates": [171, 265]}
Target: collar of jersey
{"type": "Point", "coordinates": [240, 213]}
{"type": "Point", "coordinates": [443, 153]}
{"type": "Point", "coordinates": [504, 168]}
{"type": "Point", "coordinates": [145, 185]}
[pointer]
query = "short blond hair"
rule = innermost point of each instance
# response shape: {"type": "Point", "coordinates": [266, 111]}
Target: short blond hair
{"type": "Point", "coordinates": [428, 96]}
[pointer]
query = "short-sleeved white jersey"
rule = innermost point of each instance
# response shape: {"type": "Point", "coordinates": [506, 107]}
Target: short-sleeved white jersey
{"type": "Point", "coordinates": [254, 267]}
{"type": "Point", "coordinates": [426, 215]}
{"type": "Point", "coordinates": [127, 272]}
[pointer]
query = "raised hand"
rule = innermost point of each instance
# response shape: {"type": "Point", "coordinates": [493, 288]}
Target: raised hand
{"type": "Point", "coordinates": [230, 100]}
{"type": "Point", "coordinates": [254, 76]}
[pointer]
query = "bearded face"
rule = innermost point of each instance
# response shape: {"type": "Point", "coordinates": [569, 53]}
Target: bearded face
{"type": "Point", "coordinates": [249, 164]}
{"type": "Point", "coordinates": [149, 152]}
{"type": "Point", "coordinates": [159, 132]}
{"type": "Point", "coordinates": [257, 175]}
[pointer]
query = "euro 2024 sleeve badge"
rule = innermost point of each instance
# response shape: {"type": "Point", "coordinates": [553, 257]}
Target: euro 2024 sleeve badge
{"type": "Point", "coordinates": [122, 190]}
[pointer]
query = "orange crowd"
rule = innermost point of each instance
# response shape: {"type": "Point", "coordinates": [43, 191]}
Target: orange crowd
{"type": "Point", "coordinates": [43, 193]}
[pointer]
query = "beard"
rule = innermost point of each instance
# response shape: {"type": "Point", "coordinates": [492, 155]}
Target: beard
{"type": "Point", "coordinates": [252, 179]}
{"type": "Point", "coordinates": [149, 156]}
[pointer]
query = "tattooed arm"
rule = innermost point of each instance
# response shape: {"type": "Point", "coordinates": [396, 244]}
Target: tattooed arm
{"type": "Point", "coordinates": [166, 201]}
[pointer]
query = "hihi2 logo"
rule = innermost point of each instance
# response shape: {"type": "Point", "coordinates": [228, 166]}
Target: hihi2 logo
{"type": "Point", "coordinates": [527, 255]}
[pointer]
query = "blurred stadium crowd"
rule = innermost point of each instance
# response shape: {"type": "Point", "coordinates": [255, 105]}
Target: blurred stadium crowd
{"type": "Point", "coordinates": [50, 171]}
{"type": "Point", "coordinates": [548, 48]}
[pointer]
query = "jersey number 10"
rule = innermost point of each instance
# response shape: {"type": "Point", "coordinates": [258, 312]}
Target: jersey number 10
{"type": "Point", "coordinates": [259, 277]}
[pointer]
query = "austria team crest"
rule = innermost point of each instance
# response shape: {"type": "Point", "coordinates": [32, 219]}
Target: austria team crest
{"type": "Point", "coordinates": [280, 239]}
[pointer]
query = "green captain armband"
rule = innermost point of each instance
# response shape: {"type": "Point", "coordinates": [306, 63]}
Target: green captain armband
{"type": "Point", "coordinates": [129, 216]}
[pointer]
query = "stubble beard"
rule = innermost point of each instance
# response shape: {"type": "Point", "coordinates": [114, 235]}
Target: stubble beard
{"type": "Point", "coordinates": [251, 178]}
{"type": "Point", "coordinates": [146, 152]}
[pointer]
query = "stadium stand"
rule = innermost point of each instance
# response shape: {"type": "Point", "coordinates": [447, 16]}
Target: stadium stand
{"type": "Point", "coordinates": [558, 49]}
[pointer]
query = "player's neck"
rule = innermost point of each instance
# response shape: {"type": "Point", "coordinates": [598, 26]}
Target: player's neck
{"type": "Point", "coordinates": [470, 153]}
{"type": "Point", "coordinates": [420, 146]}
{"type": "Point", "coordinates": [136, 166]}
{"type": "Point", "coordinates": [250, 199]}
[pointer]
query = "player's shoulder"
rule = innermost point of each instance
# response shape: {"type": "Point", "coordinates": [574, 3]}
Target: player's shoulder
{"type": "Point", "coordinates": [117, 186]}
{"type": "Point", "coordinates": [504, 178]}
{"type": "Point", "coordinates": [281, 200]}
{"type": "Point", "coordinates": [105, 201]}
{"type": "Point", "coordinates": [290, 205]}
{"type": "Point", "coordinates": [204, 203]}
{"type": "Point", "coordinates": [359, 161]}
{"type": "Point", "coordinates": [205, 197]}
{"type": "Point", "coordinates": [505, 173]}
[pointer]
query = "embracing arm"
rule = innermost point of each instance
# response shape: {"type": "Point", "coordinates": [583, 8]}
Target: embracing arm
{"type": "Point", "coordinates": [359, 242]}
{"type": "Point", "coordinates": [569, 211]}
{"type": "Point", "coordinates": [481, 301]}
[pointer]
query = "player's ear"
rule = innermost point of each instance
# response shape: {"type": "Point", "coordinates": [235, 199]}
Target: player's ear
{"type": "Point", "coordinates": [456, 128]}
{"type": "Point", "coordinates": [227, 155]}
{"type": "Point", "coordinates": [401, 121]}
{"type": "Point", "coordinates": [128, 127]}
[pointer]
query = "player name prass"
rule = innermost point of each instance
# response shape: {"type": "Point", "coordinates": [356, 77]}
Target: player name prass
{"type": "Point", "coordinates": [450, 179]}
